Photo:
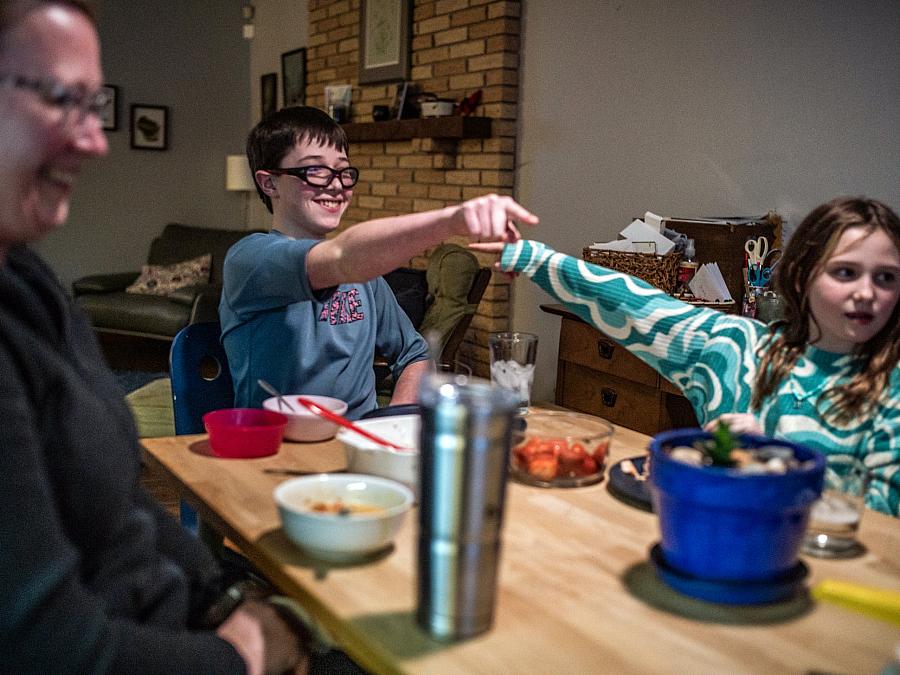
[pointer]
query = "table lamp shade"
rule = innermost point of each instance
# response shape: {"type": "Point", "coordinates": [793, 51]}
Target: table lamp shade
{"type": "Point", "coordinates": [237, 174]}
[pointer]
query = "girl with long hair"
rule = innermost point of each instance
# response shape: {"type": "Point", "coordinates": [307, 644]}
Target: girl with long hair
{"type": "Point", "coordinates": [826, 375]}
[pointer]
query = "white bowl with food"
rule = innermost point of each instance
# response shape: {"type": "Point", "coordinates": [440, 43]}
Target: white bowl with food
{"type": "Point", "coordinates": [342, 517]}
{"type": "Point", "coordinates": [367, 456]}
{"type": "Point", "coordinates": [303, 424]}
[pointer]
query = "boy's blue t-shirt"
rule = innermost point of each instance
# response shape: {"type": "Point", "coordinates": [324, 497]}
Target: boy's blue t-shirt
{"type": "Point", "coordinates": [275, 327]}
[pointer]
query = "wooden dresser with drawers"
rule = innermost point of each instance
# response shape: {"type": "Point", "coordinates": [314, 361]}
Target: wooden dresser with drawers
{"type": "Point", "coordinates": [600, 377]}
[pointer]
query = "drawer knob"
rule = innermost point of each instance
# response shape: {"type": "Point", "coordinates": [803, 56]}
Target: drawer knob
{"type": "Point", "coordinates": [608, 396]}
{"type": "Point", "coordinates": [605, 349]}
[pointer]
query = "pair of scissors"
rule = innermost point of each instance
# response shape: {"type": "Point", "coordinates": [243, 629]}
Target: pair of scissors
{"type": "Point", "coordinates": [757, 250]}
{"type": "Point", "coordinates": [758, 276]}
{"type": "Point", "coordinates": [768, 259]}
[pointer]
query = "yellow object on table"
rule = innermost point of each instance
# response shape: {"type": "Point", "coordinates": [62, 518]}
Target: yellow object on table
{"type": "Point", "coordinates": [875, 602]}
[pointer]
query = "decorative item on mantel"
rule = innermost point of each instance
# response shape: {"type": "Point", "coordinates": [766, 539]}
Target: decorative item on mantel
{"type": "Point", "coordinates": [432, 106]}
{"type": "Point", "coordinates": [337, 101]}
{"type": "Point", "coordinates": [380, 113]}
{"type": "Point", "coordinates": [405, 101]}
{"type": "Point", "coordinates": [469, 103]}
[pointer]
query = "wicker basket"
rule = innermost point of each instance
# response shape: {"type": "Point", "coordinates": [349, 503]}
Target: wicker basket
{"type": "Point", "coordinates": [659, 270]}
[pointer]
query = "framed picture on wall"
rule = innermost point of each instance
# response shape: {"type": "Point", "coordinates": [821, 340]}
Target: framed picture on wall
{"type": "Point", "coordinates": [268, 93]}
{"type": "Point", "coordinates": [149, 127]}
{"type": "Point", "coordinates": [293, 77]}
{"type": "Point", "coordinates": [110, 113]}
{"type": "Point", "coordinates": [384, 30]}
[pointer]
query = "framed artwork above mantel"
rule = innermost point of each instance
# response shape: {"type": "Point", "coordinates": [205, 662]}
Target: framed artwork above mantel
{"type": "Point", "coordinates": [384, 40]}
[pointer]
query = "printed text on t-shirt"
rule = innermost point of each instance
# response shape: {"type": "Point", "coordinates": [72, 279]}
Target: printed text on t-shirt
{"type": "Point", "coordinates": [342, 307]}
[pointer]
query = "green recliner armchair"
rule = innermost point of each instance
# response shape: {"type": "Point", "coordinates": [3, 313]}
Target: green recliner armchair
{"type": "Point", "coordinates": [113, 310]}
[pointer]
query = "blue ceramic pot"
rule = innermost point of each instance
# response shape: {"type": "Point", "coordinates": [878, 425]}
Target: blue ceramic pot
{"type": "Point", "coordinates": [719, 524]}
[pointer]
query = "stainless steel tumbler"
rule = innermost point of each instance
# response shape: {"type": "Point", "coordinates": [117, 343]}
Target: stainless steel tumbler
{"type": "Point", "coordinates": [464, 455]}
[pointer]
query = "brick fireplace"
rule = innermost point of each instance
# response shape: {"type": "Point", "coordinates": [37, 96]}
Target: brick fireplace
{"type": "Point", "coordinates": [457, 47]}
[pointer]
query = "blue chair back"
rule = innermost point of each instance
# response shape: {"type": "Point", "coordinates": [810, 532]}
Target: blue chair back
{"type": "Point", "coordinates": [201, 381]}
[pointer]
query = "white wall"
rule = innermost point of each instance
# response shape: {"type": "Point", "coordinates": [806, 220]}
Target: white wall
{"type": "Point", "coordinates": [700, 108]}
{"type": "Point", "coordinates": [188, 55]}
{"type": "Point", "coordinates": [279, 26]}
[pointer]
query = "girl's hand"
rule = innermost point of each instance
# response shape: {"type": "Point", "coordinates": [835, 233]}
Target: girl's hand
{"type": "Point", "coordinates": [738, 423]}
{"type": "Point", "coordinates": [491, 217]}
{"type": "Point", "coordinates": [495, 248]}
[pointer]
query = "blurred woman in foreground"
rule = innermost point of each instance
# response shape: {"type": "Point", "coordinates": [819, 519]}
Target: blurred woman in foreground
{"type": "Point", "coordinates": [96, 576]}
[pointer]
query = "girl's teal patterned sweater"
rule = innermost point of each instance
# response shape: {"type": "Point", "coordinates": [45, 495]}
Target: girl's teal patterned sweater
{"type": "Point", "coordinates": [712, 358]}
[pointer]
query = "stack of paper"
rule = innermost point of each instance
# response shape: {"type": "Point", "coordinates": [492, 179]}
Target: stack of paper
{"type": "Point", "coordinates": [617, 245]}
{"type": "Point", "coordinates": [709, 285]}
{"type": "Point", "coordinates": [639, 231]}
{"type": "Point", "coordinates": [639, 238]}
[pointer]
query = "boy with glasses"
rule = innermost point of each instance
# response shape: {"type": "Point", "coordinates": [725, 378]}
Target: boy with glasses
{"type": "Point", "coordinates": [306, 312]}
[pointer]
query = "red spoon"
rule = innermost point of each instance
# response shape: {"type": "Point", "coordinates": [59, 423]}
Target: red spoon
{"type": "Point", "coordinates": [344, 422]}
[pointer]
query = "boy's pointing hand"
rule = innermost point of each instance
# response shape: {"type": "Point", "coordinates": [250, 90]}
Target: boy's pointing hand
{"type": "Point", "coordinates": [491, 218]}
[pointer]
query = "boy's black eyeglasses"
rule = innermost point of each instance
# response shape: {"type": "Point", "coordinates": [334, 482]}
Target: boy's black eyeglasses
{"type": "Point", "coordinates": [321, 176]}
{"type": "Point", "coordinates": [71, 100]}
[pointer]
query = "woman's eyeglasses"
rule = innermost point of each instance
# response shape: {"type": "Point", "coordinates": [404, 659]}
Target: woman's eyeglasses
{"type": "Point", "coordinates": [75, 102]}
{"type": "Point", "coordinates": [321, 176]}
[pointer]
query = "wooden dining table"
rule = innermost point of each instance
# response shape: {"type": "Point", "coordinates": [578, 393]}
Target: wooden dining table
{"type": "Point", "coordinates": [577, 591]}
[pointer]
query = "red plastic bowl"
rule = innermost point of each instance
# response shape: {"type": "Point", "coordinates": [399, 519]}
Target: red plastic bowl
{"type": "Point", "coordinates": [244, 432]}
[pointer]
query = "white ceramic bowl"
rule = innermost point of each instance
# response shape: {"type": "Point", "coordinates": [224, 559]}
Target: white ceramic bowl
{"type": "Point", "coordinates": [303, 424]}
{"type": "Point", "coordinates": [337, 537]}
{"type": "Point", "coordinates": [440, 108]}
{"type": "Point", "coordinates": [365, 456]}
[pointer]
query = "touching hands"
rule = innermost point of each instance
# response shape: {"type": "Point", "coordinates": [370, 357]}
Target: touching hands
{"type": "Point", "coordinates": [494, 248]}
{"type": "Point", "coordinates": [491, 217]}
{"type": "Point", "coordinates": [737, 423]}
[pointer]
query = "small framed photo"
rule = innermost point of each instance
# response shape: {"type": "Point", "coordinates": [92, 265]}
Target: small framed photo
{"type": "Point", "coordinates": [149, 127]}
{"type": "Point", "coordinates": [293, 77]}
{"type": "Point", "coordinates": [404, 97]}
{"type": "Point", "coordinates": [268, 93]}
{"type": "Point", "coordinates": [110, 114]}
{"type": "Point", "coordinates": [384, 40]}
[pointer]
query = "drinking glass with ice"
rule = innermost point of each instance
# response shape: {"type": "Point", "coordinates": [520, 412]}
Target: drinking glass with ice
{"type": "Point", "coordinates": [513, 356]}
{"type": "Point", "coordinates": [834, 518]}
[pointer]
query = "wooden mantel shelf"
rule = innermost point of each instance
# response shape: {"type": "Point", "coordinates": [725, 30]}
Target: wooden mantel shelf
{"type": "Point", "coordinates": [427, 127]}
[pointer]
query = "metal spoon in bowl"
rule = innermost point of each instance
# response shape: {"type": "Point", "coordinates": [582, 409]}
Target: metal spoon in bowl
{"type": "Point", "coordinates": [282, 402]}
{"type": "Point", "coordinates": [344, 422]}
{"type": "Point", "coordinates": [328, 415]}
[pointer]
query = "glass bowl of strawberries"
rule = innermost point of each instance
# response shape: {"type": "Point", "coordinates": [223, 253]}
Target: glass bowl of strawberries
{"type": "Point", "coordinates": [560, 449]}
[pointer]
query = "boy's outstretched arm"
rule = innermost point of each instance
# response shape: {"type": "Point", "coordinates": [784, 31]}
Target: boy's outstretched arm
{"type": "Point", "coordinates": [376, 247]}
